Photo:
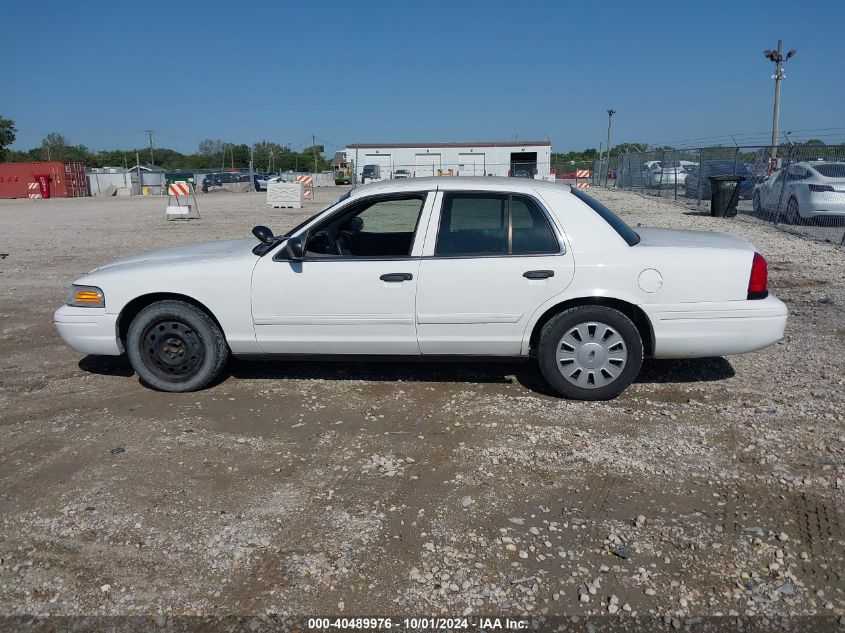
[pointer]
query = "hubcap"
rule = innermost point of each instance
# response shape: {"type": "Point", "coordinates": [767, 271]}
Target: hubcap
{"type": "Point", "coordinates": [172, 349]}
{"type": "Point", "coordinates": [591, 355]}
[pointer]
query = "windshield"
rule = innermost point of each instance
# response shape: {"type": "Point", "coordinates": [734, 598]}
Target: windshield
{"type": "Point", "coordinates": [326, 208]}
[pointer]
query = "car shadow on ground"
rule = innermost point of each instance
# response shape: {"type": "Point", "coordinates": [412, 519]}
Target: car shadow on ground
{"type": "Point", "coordinates": [524, 373]}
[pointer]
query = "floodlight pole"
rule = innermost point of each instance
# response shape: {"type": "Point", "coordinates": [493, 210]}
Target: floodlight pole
{"type": "Point", "coordinates": [150, 135]}
{"type": "Point", "coordinates": [777, 57]}
{"type": "Point", "coordinates": [610, 114]}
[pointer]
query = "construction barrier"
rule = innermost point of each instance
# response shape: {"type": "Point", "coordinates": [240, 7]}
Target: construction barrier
{"type": "Point", "coordinates": [186, 211]}
{"type": "Point", "coordinates": [287, 195]}
{"type": "Point", "coordinates": [34, 191]}
{"type": "Point", "coordinates": [583, 185]}
{"type": "Point", "coordinates": [307, 185]}
{"type": "Point", "coordinates": [180, 188]}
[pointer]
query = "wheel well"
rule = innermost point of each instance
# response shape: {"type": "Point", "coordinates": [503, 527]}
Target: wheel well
{"type": "Point", "coordinates": [131, 309]}
{"type": "Point", "coordinates": [633, 312]}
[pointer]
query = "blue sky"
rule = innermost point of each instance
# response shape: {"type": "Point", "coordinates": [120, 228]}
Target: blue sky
{"type": "Point", "coordinates": [102, 73]}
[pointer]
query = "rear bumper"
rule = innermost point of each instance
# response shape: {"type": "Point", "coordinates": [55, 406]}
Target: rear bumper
{"type": "Point", "coordinates": [823, 205]}
{"type": "Point", "coordinates": [716, 329]}
{"type": "Point", "coordinates": [88, 330]}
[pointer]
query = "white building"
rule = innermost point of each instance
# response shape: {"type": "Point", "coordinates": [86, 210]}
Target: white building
{"type": "Point", "coordinates": [503, 158]}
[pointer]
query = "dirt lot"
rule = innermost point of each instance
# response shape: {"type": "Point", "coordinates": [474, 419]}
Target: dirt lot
{"type": "Point", "coordinates": [709, 488]}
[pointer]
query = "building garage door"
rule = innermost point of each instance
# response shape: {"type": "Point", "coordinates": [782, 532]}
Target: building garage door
{"type": "Point", "coordinates": [384, 162]}
{"type": "Point", "coordinates": [471, 164]}
{"type": "Point", "coordinates": [426, 165]}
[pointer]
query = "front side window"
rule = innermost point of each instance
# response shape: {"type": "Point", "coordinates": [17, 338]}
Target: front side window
{"type": "Point", "coordinates": [493, 224]}
{"type": "Point", "coordinates": [380, 227]}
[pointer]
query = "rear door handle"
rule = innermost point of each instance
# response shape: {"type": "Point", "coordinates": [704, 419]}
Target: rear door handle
{"type": "Point", "coordinates": [396, 277]}
{"type": "Point", "coordinates": [538, 274]}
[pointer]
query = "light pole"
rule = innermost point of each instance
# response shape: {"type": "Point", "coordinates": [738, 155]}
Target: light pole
{"type": "Point", "coordinates": [152, 158]}
{"type": "Point", "coordinates": [610, 114]}
{"type": "Point", "coordinates": [778, 59]}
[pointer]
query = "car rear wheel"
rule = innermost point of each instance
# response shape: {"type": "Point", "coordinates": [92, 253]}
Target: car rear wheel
{"type": "Point", "coordinates": [793, 216]}
{"type": "Point", "coordinates": [175, 346]}
{"type": "Point", "coordinates": [590, 353]}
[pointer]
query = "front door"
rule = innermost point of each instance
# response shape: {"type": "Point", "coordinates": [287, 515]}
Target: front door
{"type": "Point", "coordinates": [491, 262]}
{"type": "Point", "coordinates": [354, 290]}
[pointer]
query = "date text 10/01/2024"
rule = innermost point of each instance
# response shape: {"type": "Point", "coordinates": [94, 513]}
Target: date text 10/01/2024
{"type": "Point", "coordinates": [421, 623]}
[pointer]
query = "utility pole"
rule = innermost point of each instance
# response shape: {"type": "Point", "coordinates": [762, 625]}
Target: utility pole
{"type": "Point", "coordinates": [251, 171]}
{"type": "Point", "coordinates": [778, 59]}
{"type": "Point", "coordinates": [152, 158]}
{"type": "Point", "coordinates": [314, 147]}
{"type": "Point", "coordinates": [610, 114]}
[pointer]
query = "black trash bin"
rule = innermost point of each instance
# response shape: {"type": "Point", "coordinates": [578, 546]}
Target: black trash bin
{"type": "Point", "coordinates": [724, 195]}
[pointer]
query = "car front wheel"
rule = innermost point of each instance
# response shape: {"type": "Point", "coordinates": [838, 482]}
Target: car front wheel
{"type": "Point", "coordinates": [590, 353]}
{"type": "Point", "coordinates": [175, 346]}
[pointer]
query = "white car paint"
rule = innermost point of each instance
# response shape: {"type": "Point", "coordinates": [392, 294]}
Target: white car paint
{"type": "Point", "coordinates": [690, 285]}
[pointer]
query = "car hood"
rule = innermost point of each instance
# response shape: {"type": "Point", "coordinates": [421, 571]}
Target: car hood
{"type": "Point", "coordinates": [691, 239]}
{"type": "Point", "coordinates": [225, 249]}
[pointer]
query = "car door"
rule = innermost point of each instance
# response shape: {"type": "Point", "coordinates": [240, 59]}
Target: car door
{"type": "Point", "coordinates": [353, 291]}
{"type": "Point", "coordinates": [771, 191]}
{"type": "Point", "coordinates": [490, 260]}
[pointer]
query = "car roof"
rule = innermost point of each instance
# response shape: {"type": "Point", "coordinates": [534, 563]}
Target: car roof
{"type": "Point", "coordinates": [459, 183]}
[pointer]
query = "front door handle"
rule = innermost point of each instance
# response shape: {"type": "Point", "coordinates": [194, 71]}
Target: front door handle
{"type": "Point", "coordinates": [538, 274]}
{"type": "Point", "coordinates": [396, 277]}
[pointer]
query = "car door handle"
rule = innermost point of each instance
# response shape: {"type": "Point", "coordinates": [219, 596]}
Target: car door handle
{"type": "Point", "coordinates": [538, 274]}
{"type": "Point", "coordinates": [396, 277]}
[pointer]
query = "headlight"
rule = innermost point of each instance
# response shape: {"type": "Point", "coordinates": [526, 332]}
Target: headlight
{"type": "Point", "coordinates": [86, 297]}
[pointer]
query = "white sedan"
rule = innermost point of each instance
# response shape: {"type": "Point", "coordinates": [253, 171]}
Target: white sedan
{"type": "Point", "coordinates": [435, 267]}
{"type": "Point", "coordinates": [803, 191]}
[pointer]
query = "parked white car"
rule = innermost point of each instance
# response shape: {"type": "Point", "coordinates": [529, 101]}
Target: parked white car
{"type": "Point", "coordinates": [803, 191]}
{"type": "Point", "coordinates": [435, 267]}
{"type": "Point", "coordinates": [664, 174]}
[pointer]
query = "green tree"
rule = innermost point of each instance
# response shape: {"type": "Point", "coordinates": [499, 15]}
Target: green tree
{"type": "Point", "coordinates": [8, 133]}
{"type": "Point", "coordinates": [53, 147]}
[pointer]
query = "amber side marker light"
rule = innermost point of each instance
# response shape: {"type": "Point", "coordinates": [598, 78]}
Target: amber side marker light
{"type": "Point", "coordinates": [86, 296]}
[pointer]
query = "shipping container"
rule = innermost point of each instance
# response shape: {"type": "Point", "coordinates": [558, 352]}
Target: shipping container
{"type": "Point", "coordinates": [20, 180]}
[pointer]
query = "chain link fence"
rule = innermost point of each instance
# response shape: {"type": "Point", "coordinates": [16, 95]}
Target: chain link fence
{"type": "Point", "coordinates": [802, 186]}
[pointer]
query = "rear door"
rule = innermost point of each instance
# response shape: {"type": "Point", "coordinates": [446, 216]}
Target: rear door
{"type": "Point", "coordinates": [489, 261]}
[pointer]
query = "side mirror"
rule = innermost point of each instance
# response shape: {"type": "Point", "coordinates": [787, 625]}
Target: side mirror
{"type": "Point", "coordinates": [295, 248]}
{"type": "Point", "coordinates": [264, 234]}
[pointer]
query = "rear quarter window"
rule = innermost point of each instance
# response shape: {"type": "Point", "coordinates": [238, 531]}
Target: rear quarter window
{"type": "Point", "coordinates": [628, 234]}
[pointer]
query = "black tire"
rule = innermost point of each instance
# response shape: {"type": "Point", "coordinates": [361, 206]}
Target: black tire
{"type": "Point", "coordinates": [175, 346]}
{"type": "Point", "coordinates": [793, 215]}
{"type": "Point", "coordinates": [551, 341]}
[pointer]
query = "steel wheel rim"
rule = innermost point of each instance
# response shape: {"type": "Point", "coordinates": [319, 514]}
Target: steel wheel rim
{"type": "Point", "coordinates": [591, 355]}
{"type": "Point", "coordinates": [172, 349]}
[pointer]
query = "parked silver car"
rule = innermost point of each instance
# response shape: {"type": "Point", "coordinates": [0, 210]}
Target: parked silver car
{"type": "Point", "coordinates": [803, 191]}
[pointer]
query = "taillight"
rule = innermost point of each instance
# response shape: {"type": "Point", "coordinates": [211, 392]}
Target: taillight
{"type": "Point", "coordinates": [758, 284]}
{"type": "Point", "coordinates": [821, 188]}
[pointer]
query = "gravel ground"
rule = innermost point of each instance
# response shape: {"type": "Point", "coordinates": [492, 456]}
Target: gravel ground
{"type": "Point", "coordinates": [709, 488]}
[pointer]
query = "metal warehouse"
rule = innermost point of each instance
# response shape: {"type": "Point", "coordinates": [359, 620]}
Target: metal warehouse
{"type": "Point", "coordinates": [503, 158]}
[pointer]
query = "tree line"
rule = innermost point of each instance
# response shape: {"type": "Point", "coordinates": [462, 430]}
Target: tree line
{"type": "Point", "coordinates": [213, 154]}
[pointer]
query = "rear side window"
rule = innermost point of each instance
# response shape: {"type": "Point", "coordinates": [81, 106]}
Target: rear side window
{"type": "Point", "coordinates": [489, 224]}
{"type": "Point", "coordinates": [625, 232]}
{"type": "Point", "coordinates": [831, 170]}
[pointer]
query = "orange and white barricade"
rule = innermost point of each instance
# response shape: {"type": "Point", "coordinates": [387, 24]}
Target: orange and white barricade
{"type": "Point", "coordinates": [34, 190]}
{"type": "Point", "coordinates": [582, 185]}
{"type": "Point", "coordinates": [307, 185]}
{"type": "Point", "coordinates": [187, 211]}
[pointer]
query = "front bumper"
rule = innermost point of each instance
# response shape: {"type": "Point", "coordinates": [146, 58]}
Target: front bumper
{"type": "Point", "coordinates": [716, 329]}
{"type": "Point", "coordinates": [88, 330]}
